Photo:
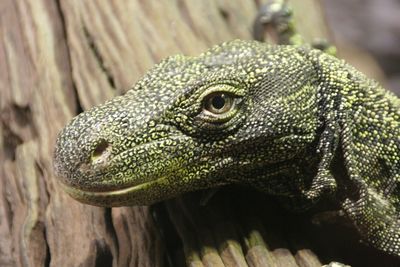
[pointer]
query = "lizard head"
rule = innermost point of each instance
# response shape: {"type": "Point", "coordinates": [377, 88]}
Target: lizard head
{"type": "Point", "coordinates": [191, 123]}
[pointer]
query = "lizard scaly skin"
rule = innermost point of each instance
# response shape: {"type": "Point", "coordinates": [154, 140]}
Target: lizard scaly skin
{"type": "Point", "coordinates": [290, 121]}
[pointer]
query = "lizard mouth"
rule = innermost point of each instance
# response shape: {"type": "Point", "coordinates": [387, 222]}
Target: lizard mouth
{"type": "Point", "coordinates": [140, 184]}
{"type": "Point", "coordinates": [148, 192]}
{"type": "Point", "coordinates": [115, 197]}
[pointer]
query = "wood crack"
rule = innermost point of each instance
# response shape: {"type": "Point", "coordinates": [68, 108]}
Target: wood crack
{"type": "Point", "coordinates": [97, 55]}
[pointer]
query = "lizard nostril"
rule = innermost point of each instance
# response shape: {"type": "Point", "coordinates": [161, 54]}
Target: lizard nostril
{"type": "Point", "coordinates": [101, 152]}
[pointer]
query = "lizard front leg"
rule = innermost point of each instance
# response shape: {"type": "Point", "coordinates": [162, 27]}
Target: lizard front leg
{"type": "Point", "coordinates": [372, 212]}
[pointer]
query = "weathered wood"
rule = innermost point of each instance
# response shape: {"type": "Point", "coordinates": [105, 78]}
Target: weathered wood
{"type": "Point", "coordinates": [60, 57]}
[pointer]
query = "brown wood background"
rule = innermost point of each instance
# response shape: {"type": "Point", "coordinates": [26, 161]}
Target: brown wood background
{"type": "Point", "coordinates": [58, 58]}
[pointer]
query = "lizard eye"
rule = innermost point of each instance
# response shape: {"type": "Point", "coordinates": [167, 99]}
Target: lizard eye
{"type": "Point", "coordinates": [218, 103]}
{"type": "Point", "coordinates": [219, 106]}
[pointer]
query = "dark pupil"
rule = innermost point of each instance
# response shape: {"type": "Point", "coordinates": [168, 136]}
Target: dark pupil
{"type": "Point", "coordinates": [218, 101]}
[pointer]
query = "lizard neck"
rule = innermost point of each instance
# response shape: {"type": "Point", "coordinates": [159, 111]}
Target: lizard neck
{"type": "Point", "coordinates": [367, 121]}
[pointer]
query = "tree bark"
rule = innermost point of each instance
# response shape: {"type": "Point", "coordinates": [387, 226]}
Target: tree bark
{"type": "Point", "coordinates": [58, 58]}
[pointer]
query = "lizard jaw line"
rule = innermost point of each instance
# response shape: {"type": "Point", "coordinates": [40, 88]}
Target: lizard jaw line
{"type": "Point", "coordinates": [91, 197]}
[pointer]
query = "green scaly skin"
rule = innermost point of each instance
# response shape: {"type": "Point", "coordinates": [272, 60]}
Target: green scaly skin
{"type": "Point", "coordinates": [300, 124]}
